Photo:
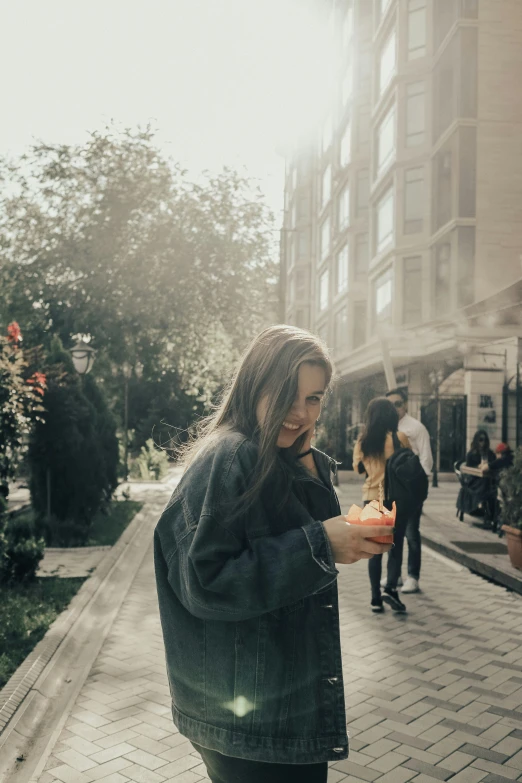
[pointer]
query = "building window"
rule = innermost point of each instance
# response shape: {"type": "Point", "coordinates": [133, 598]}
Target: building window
{"type": "Point", "coordinates": [385, 220]}
{"type": "Point", "coordinates": [347, 83]}
{"type": "Point", "coordinates": [361, 257]}
{"type": "Point", "coordinates": [386, 140]}
{"type": "Point", "coordinates": [294, 177]}
{"type": "Point", "coordinates": [326, 186]}
{"type": "Point", "coordinates": [303, 245]}
{"type": "Point", "coordinates": [303, 208]}
{"type": "Point", "coordinates": [383, 289]}
{"type": "Point", "coordinates": [414, 201]}
{"type": "Point", "coordinates": [324, 283]}
{"type": "Point", "coordinates": [342, 270]}
{"type": "Point", "coordinates": [387, 63]}
{"type": "Point", "coordinates": [443, 185]}
{"type": "Point", "coordinates": [442, 290]}
{"type": "Point", "coordinates": [360, 315]}
{"type": "Point", "coordinates": [469, 8]}
{"type": "Point", "coordinates": [291, 251]}
{"type": "Point", "coordinates": [344, 208]}
{"type": "Point", "coordinates": [466, 266]}
{"type": "Point", "coordinates": [347, 25]}
{"type": "Point", "coordinates": [468, 172]}
{"type": "Point", "coordinates": [293, 217]}
{"type": "Point", "coordinates": [415, 114]}
{"type": "Point", "coordinates": [325, 239]}
{"type": "Point", "coordinates": [341, 328]}
{"type": "Point", "coordinates": [412, 290]}
{"type": "Point", "coordinates": [363, 192]}
{"type": "Point", "coordinates": [326, 137]}
{"type": "Point", "coordinates": [363, 128]}
{"type": "Point", "coordinates": [346, 145]}
{"type": "Point", "coordinates": [382, 6]}
{"type": "Point", "coordinates": [300, 319]}
{"type": "Point", "coordinates": [416, 29]}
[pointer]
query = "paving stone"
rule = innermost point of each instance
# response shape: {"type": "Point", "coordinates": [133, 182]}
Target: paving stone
{"type": "Point", "coordinates": [456, 761]}
{"type": "Point", "coordinates": [469, 775]}
{"type": "Point", "coordinates": [484, 753]}
{"type": "Point", "coordinates": [496, 769]}
{"type": "Point", "coordinates": [115, 765]}
{"type": "Point", "coordinates": [414, 742]}
{"type": "Point", "coordinates": [355, 770]}
{"type": "Point", "coordinates": [142, 774]}
{"type": "Point", "coordinates": [428, 769]}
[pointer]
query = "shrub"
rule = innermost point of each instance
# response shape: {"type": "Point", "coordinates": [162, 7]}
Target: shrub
{"type": "Point", "coordinates": [152, 463]}
{"type": "Point", "coordinates": [73, 453]}
{"type": "Point", "coordinates": [511, 486]}
{"type": "Point", "coordinates": [23, 551]}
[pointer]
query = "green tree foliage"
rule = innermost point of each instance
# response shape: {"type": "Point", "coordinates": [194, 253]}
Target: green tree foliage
{"type": "Point", "coordinates": [73, 453]}
{"type": "Point", "coordinates": [113, 240]}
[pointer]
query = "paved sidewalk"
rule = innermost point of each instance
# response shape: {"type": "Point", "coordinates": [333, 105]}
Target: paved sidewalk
{"type": "Point", "coordinates": [468, 543]}
{"type": "Point", "coordinates": [432, 695]}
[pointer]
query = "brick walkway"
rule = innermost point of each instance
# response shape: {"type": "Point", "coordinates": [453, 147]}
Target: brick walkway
{"type": "Point", "coordinates": [432, 695]}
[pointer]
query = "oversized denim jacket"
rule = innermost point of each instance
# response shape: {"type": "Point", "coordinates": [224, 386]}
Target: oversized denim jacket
{"type": "Point", "coordinates": [249, 612]}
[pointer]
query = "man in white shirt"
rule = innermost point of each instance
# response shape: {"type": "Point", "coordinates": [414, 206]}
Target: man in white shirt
{"type": "Point", "coordinates": [420, 443]}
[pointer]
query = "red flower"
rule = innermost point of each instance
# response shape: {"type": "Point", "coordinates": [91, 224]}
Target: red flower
{"type": "Point", "coordinates": [39, 381]}
{"type": "Point", "coordinates": [14, 333]}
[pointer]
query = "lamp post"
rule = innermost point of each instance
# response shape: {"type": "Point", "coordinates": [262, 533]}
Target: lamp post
{"type": "Point", "coordinates": [83, 357]}
{"type": "Point", "coordinates": [127, 373]}
{"type": "Point", "coordinates": [436, 378]}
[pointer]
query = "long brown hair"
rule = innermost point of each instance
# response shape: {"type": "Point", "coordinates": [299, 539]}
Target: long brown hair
{"type": "Point", "coordinates": [380, 418]}
{"type": "Point", "coordinates": [269, 367]}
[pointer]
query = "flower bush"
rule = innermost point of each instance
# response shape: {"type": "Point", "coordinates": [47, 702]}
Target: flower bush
{"type": "Point", "coordinates": [20, 406]}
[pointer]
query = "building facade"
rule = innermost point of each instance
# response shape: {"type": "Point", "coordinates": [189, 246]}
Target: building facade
{"type": "Point", "coordinates": [403, 218]}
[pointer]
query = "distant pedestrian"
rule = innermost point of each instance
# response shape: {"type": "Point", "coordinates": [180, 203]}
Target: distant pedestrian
{"type": "Point", "coordinates": [419, 438]}
{"type": "Point", "coordinates": [245, 556]}
{"type": "Point", "coordinates": [372, 450]}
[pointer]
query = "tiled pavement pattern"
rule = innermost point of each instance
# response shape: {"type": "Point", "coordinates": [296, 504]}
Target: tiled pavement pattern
{"type": "Point", "coordinates": [434, 695]}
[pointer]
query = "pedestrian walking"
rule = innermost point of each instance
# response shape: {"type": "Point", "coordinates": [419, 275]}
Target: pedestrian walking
{"type": "Point", "coordinates": [372, 450]}
{"type": "Point", "coordinates": [419, 439]}
{"type": "Point", "coordinates": [245, 560]}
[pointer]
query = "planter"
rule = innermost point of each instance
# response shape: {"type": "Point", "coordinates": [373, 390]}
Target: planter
{"type": "Point", "coordinates": [514, 545]}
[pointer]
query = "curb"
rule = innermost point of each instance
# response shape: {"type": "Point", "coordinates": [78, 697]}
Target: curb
{"type": "Point", "coordinates": [468, 561]}
{"type": "Point", "coordinates": [23, 679]}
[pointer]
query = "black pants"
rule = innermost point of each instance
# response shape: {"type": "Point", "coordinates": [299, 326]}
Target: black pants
{"type": "Point", "coordinates": [414, 544]}
{"type": "Point", "coordinates": [394, 562]}
{"type": "Point", "coordinates": [227, 769]}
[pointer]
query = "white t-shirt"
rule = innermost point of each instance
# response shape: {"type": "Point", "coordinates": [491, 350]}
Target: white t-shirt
{"type": "Point", "coordinates": [419, 438]}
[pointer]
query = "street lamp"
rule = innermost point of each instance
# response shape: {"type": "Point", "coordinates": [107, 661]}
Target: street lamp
{"type": "Point", "coordinates": [126, 369]}
{"type": "Point", "coordinates": [83, 357]}
{"type": "Point", "coordinates": [436, 377]}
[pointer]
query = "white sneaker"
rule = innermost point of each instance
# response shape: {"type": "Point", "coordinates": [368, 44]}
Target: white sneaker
{"type": "Point", "coordinates": [384, 581]}
{"type": "Point", "coordinates": [411, 585]}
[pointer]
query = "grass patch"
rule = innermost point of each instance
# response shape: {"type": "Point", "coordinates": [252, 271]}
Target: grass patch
{"type": "Point", "coordinates": [26, 612]}
{"type": "Point", "coordinates": [107, 527]}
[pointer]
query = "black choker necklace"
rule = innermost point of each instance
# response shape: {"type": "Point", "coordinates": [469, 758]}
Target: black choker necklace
{"type": "Point", "coordinates": [304, 454]}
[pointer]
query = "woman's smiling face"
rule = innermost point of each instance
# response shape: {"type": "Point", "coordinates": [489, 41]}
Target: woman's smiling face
{"type": "Point", "coordinates": [306, 407]}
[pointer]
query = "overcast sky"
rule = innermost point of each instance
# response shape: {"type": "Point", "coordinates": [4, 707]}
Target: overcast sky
{"type": "Point", "coordinates": [224, 81]}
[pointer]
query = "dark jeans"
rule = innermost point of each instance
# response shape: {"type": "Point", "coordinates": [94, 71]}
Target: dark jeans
{"type": "Point", "coordinates": [227, 769]}
{"type": "Point", "coordinates": [394, 562]}
{"type": "Point", "coordinates": [414, 544]}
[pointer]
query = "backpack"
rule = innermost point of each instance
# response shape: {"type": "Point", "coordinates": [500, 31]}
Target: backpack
{"type": "Point", "coordinates": [406, 483]}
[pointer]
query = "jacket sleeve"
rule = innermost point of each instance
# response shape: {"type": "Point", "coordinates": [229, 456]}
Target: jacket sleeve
{"type": "Point", "coordinates": [357, 456]}
{"type": "Point", "coordinates": [219, 572]}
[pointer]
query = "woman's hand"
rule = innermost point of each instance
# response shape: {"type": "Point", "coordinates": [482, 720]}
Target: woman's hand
{"type": "Point", "coordinates": [350, 542]}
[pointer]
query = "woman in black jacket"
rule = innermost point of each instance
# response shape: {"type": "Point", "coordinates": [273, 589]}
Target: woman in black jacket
{"type": "Point", "coordinates": [245, 558]}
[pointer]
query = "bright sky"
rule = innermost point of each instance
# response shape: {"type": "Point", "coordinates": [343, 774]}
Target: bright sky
{"type": "Point", "coordinates": [223, 81]}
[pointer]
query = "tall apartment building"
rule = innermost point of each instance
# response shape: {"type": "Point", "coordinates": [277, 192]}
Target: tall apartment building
{"type": "Point", "coordinates": [403, 218]}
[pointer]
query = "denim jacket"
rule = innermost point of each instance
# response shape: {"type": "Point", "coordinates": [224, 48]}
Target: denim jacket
{"type": "Point", "coordinates": [249, 611]}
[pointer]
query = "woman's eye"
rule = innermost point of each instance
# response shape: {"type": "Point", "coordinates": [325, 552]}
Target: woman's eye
{"type": "Point", "coordinates": [314, 400]}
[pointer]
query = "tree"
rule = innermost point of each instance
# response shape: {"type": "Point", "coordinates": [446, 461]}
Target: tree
{"type": "Point", "coordinates": [73, 453]}
{"type": "Point", "coordinates": [112, 240]}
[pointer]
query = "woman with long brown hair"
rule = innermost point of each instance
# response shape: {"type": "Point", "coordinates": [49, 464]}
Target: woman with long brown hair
{"type": "Point", "coordinates": [245, 556]}
{"type": "Point", "coordinates": [372, 450]}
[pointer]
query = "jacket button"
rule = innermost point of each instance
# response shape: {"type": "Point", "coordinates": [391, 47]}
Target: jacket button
{"type": "Point", "coordinates": [332, 680]}
{"type": "Point", "coordinates": [338, 750]}
{"type": "Point", "coordinates": [327, 606]}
